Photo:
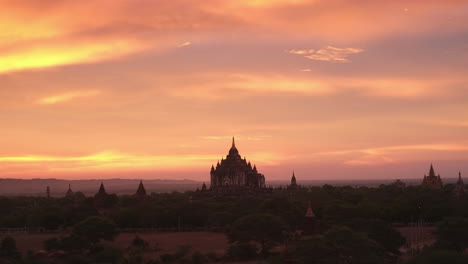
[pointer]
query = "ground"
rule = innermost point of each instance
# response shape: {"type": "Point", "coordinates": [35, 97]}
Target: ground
{"type": "Point", "coordinates": [203, 242]}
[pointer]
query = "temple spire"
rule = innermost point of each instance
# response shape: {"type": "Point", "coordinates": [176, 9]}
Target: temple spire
{"type": "Point", "coordinates": [141, 191]}
{"type": "Point", "coordinates": [101, 188]}
{"type": "Point", "coordinates": [233, 143]}
{"type": "Point", "coordinates": [293, 180]}
{"type": "Point", "coordinates": [431, 171]}
{"type": "Point", "coordinates": [310, 212]}
{"type": "Point", "coordinates": [460, 181]}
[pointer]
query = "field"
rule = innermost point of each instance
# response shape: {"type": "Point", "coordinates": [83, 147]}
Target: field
{"type": "Point", "coordinates": [203, 242]}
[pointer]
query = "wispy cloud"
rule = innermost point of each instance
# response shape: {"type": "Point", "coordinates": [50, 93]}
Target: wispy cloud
{"type": "Point", "coordinates": [68, 53]}
{"type": "Point", "coordinates": [388, 154]}
{"type": "Point", "coordinates": [60, 98]}
{"type": "Point", "coordinates": [300, 52]}
{"type": "Point", "coordinates": [329, 53]}
{"type": "Point", "coordinates": [108, 160]}
{"type": "Point", "coordinates": [261, 137]}
{"type": "Point", "coordinates": [186, 43]}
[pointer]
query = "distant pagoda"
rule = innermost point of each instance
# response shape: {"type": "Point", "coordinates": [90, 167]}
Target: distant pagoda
{"type": "Point", "coordinates": [309, 224]}
{"type": "Point", "coordinates": [101, 197]}
{"type": "Point", "coordinates": [293, 186]}
{"type": "Point", "coordinates": [235, 172]}
{"type": "Point", "coordinates": [459, 189]}
{"type": "Point", "coordinates": [69, 192]}
{"type": "Point", "coordinates": [431, 180]}
{"type": "Point", "coordinates": [141, 191]}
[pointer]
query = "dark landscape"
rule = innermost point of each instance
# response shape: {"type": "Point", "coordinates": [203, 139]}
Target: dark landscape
{"type": "Point", "coordinates": [233, 132]}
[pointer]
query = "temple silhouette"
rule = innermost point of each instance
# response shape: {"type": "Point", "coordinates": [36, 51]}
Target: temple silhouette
{"type": "Point", "coordinates": [431, 180]}
{"type": "Point", "coordinates": [235, 172]}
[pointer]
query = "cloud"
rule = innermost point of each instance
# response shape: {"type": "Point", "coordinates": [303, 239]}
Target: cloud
{"type": "Point", "coordinates": [300, 52]}
{"type": "Point", "coordinates": [60, 98]}
{"type": "Point", "coordinates": [186, 43]}
{"type": "Point", "coordinates": [108, 160]}
{"type": "Point", "coordinates": [44, 55]}
{"type": "Point", "coordinates": [262, 137]}
{"type": "Point", "coordinates": [370, 160]}
{"type": "Point", "coordinates": [121, 27]}
{"type": "Point", "coordinates": [329, 53]}
{"type": "Point", "coordinates": [389, 154]}
{"type": "Point", "coordinates": [219, 85]}
{"type": "Point", "coordinates": [305, 70]}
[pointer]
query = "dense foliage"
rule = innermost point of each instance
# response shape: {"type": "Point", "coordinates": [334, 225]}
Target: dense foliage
{"type": "Point", "coordinates": [170, 210]}
{"type": "Point", "coordinates": [356, 224]}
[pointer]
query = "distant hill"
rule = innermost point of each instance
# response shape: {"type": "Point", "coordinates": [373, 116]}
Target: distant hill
{"type": "Point", "coordinates": [58, 187]}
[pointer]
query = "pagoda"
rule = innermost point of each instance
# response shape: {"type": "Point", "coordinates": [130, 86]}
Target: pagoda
{"type": "Point", "coordinates": [235, 172]}
{"type": "Point", "coordinates": [459, 189]}
{"type": "Point", "coordinates": [141, 191]}
{"type": "Point", "coordinates": [293, 185]}
{"type": "Point", "coordinates": [431, 180]}
{"type": "Point", "coordinates": [309, 224]}
{"type": "Point", "coordinates": [69, 192]}
{"type": "Point", "coordinates": [101, 197]}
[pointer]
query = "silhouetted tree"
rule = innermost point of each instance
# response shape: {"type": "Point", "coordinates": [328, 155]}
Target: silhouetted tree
{"type": "Point", "coordinates": [338, 245]}
{"type": "Point", "coordinates": [95, 229]}
{"type": "Point", "coordinates": [265, 229]}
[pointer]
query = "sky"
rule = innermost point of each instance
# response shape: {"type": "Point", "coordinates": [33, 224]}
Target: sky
{"type": "Point", "coordinates": [330, 89]}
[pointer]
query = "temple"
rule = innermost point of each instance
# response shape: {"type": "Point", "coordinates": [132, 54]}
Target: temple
{"type": "Point", "coordinates": [293, 185]}
{"type": "Point", "coordinates": [459, 189]}
{"type": "Point", "coordinates": [141, 191]}
{"type": "Point", "coordinates": [431, 180]}
{"type": "Point", "coordinates": [235, 172]}
{"type": "Point", "coordinates": [101, 197]}
{"type": "Point", "coordinates": [309, 224]}
{"type": "Point", "coordinates": [69, 192]}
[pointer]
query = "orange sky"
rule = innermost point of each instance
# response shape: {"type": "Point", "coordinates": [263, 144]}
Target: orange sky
{"type": "Point", "coordinates": [332, 89]}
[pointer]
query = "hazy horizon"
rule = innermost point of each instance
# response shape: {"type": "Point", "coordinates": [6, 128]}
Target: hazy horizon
{"type": "Point", "coordinates": [148, 89]}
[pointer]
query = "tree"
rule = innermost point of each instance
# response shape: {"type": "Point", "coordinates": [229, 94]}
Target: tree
{"type": "Point", "coordinates": [8, 248]}
{"type": "Point", "coordinates": [241, 252]}
{"type": "Point", "coordinates": [452, 234]}
{"type": "Point", "coordinates": [94, 229]}
{"type": "Point", "coordinates": [338, 245]}
{"type": "Point", "coordinates": [265, 229]}
{"type": "Point", "coordinates": [139, 243]}
{"type": "Point", "coordinates": [442, 256]}
{"type": "Point", "coordinates": [380, 231]}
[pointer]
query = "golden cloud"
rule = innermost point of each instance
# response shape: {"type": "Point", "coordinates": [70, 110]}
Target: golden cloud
{"type": "Point", "coordinates": [329, 53]}
{"type": "Point", "coordinates": [300, 52]}
{"type": "Point", "coordinates": [48, 55]}
{"type": "Point", "coordinates": [186, 43]}
{"type": "Point", "coordinates": [109, 160]}
{"type": "Point", "coordinates": [227, 85]}
{"type": "Point", "coordinates": [66, 97]}
{"type": "Point", "coordinates": [388, 154]}
{"type": "Point", "coordinates": [59, 37]}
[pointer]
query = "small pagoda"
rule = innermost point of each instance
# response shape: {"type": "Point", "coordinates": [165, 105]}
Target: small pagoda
{"type": "Point", "coordinates": [459, 189]}
{"type": "Point", "coordinates": [431, 180]}
{"type": "Point", "coordinates": [141, 192]}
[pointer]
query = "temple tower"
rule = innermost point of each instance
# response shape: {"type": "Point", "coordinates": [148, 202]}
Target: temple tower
{"type": "Point", "coordinates": [431, 180]}
{"type": "Point", "coordinates": [235, 172]}
{"type": "Point", "coordinates": [459, 189]}
{"type": "Point", "coordinates": [141, 191]}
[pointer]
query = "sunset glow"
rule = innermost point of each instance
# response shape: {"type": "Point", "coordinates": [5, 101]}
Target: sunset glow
{"type": "Point", "coordinates": [332, 89]}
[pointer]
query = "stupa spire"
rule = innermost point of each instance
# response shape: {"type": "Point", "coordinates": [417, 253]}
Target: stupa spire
{"type": "Point", "coordinates": [101, 188]}
{"type": "Point", "coordinates": [141, 191]}
{"type": "Point", "coordinates": [431, 171]}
